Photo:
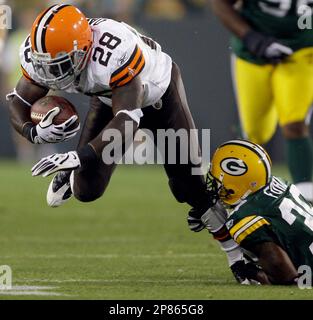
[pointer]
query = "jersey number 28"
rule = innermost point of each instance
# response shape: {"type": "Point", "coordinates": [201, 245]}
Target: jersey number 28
{"type": "Point", "coordinates": [107, 42]}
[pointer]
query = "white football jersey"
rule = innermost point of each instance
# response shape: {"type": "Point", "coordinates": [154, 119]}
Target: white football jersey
{"type": "Point", "coordinates": [118, 55]}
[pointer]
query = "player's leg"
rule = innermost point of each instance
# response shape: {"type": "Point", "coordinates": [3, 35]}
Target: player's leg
{"type": "Point", "coordinates": [253, 90]}
{"type": "Point", "coordinates": [88, 183]}
{"type": "Point", "coordinates": [293, 83]}
{"type": "Point", "coordinates": [185, 186]}
{"type": "Point", "coordinates": [175, 115]}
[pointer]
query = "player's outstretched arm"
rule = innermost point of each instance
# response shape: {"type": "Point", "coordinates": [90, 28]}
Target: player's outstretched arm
{"type": "Point", "coordinates": [275, 263]}
{"type": "Point", "coordinates": [260, 45]}
{"type": "Point", "coordinates": [225, 11]}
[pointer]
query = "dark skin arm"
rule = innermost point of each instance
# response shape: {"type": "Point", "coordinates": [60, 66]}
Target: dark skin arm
{"type": "Point", "coordinates": [226, 12]}
{"type": "Point", "coordinates": [275, 262]}
{"type": "Point", "coordinates": [19, 111]}
{"type": "Point", "coordinates": [128, 97]}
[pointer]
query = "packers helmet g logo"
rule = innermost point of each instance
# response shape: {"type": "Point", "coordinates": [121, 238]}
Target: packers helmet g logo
{"type": "Point", "coordinates": [234, 166]}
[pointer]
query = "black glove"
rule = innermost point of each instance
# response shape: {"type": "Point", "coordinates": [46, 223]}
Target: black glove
{"type": "Point", "coordinates": [194, 219]}
{"type": "Point", "coordinates": [246, 272]}
{"type": "Point", "coordinates": [266, 47]}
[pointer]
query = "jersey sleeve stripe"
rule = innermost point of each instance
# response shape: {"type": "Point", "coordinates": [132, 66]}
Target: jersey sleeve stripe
{"type": "Point", "coordinates": [120, 72]}
{"type": "Point", "coordinates": [246, 226]}
{"type": "Point", "coordinates": [240, 224]}
{"type": "Point", "coordinates": [251, 229]}
{"type": "Point", "coordinates": [132, 74]}
{"type": "Point", "coordinates": [134, 63]}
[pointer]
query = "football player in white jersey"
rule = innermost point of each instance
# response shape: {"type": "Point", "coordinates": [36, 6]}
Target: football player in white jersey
{"type": "Point", "coordinates": [129, 78]}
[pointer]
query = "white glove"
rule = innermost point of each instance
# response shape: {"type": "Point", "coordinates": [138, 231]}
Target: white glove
{"type": "Point", "coordinates": [277, 51]}
{"type": "Point", "coordinates": [215, 217]}
{"type": "Point", "coordinates": [56, 162]}
{"type": "Point", "coordinates": [47, 132]}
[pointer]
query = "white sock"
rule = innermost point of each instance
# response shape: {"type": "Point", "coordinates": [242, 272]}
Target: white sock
{"type": "Point", "coordinates": [233, 251]}
{"type": "Point", "coordinates": [306, 189]}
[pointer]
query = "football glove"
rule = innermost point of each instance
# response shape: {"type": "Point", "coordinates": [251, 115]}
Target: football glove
{"type": "Point", "coordinates": [56, 162]}
{"type": "Point", "coordinates": [47, 132]}
{"type": "Point", "coordinates": [266, 47]}
{"type": "Point", "coordinates": [194, 219]}
{"type": "Point", "coordinates": [212, 218]}
{"type": "Point", "coordinates": [246, 272]}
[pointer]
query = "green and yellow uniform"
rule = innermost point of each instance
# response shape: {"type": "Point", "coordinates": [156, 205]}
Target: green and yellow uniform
{"type": "Point", "coordinates": [278, 19]}
{"type": "Point", "coordinates": [277, 213]}
{"type": "Point", "coordinates": [268, 94]}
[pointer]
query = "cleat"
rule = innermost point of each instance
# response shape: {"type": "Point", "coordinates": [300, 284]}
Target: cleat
{"type": "Point", "coordinates": [59, 190]}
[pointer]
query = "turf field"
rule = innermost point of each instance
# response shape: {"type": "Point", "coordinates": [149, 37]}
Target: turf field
{"type": "Point", "coordinates": [134, 243]}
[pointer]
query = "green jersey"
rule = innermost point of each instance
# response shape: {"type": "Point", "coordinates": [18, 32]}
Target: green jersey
{"type": "Point", "coordinates": [276, 18]}
{"type": "Point", "coordinates": [277, 213]}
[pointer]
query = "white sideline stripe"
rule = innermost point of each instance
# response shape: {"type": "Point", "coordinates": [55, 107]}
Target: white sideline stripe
{"type": "Point", "coordinates": [27, 288]}
{"type": "Point", "coordinates": [29, 293]}
{"type": "Point", "coordinates": [23, 290]}
{"type": "Point", "coordinates": [124, 281]}
{"type": "Point", "coordinates": [113, 256]}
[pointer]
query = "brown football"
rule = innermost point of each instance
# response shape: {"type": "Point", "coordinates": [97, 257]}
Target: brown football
{"type": "Point", "coordinates": [40, 108]}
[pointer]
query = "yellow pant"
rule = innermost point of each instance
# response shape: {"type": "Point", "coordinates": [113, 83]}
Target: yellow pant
{"type": "Point", "coordinates": [268, 94]}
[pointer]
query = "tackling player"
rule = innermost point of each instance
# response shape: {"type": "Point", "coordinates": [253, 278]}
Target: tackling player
{"type": "Point", "coordinates": [272, 70]}
{"type": "Point", "coordinates": [267, 216]}
{"type": "Point", "coordinates": [129, 78]}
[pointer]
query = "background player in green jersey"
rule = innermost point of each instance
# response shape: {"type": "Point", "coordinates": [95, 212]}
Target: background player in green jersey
{"type": "Point", "coordinates": [267, 216]}
{"type": "Point", "coordinates": [272, 67]}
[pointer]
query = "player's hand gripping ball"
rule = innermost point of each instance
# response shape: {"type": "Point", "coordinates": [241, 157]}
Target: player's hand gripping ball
{"type": "Point", "coordinates": [56, 120]}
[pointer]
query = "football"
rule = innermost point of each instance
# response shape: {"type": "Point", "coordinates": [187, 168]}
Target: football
{"type": "Point", "coordinates": [40, 108]}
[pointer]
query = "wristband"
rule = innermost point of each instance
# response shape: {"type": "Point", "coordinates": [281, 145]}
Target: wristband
{"type": "Point", "coordinates": [134, 114]}
{"type": "Point", "coordinates": [28, 131]}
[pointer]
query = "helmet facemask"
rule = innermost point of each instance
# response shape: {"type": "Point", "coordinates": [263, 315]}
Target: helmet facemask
{"type": "Point", "coordinates": [217, 188]}
{"type": "Point", "coordinates": [60, 72]}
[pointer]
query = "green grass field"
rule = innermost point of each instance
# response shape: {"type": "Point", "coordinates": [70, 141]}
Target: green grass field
{"type": "Point", "coordinates": [133, 243]}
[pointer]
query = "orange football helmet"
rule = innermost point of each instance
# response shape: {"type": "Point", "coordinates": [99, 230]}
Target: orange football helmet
{"type": "Point", "coordinates": [61, 41]}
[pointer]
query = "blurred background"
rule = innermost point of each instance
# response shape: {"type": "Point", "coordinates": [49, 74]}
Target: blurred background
{"type": "Point", "coordinates": [186, 29]}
